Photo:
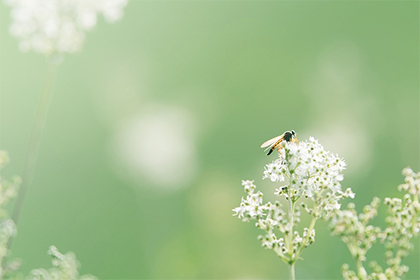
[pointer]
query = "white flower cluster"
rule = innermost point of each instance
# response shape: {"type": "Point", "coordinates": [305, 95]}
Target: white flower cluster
{"type": "Point", "coordinates": [308, 172]}
{"type": "Point", "coordinates": [8, 190]}
{"type": "Point", "coordinates": [58, 26]}
{"type": "Point", "coordinates": [65, 268]}
{"type": "Point", "coordinates": [251, 207]}
{"type": "Point", "coordinates": [308, 166]}
{"type": "Point", "coordinates": [403, 223]}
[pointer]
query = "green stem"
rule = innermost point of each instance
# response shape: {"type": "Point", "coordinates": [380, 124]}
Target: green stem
{"type": "Point", "coordinates": [291, 235]}
{"type": "Point", "coordinates": [38, 126]}
{"type": "Point", "coordinates": [361, 272]}
{"type": "Point", "coordinates": [415, 200]}
{"type": "Point", "coordinates": [41, 113]}
{"type": "Point", "coordinates": [34, 142]}
{"type": "Point", "coordinates": [292, 271]}
{"type": "Point", "coordinates": [291, 220]}
{"type": "Point", "coordinates": [311, 227]}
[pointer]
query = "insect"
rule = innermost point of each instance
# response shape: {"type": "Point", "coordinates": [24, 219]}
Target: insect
{"type": "Point", "coordinates": [275, 143]}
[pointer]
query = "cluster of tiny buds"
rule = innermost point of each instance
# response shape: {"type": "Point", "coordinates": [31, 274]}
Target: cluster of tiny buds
{"type": "Point", "coordinates": [403, 223]}
{"type": "Point", "coordinates": [353, 228]}
{"type": "Point", "coordinates": [377, 272]}
{"type": "Point", "coordinates": [270, 241]}
{"type": "Point", "coordinates": [311, 236]}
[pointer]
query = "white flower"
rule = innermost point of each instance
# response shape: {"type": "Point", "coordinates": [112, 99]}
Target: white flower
{"type": "Point", "coordinates": [58, 26]}
{"type": "Point", "coordinates": [307, 170]}
{"type": "Point", "coordinates": [312, 172]}
{"type": "Point", "coordinates": [251, 206]}
{"type": "Point", "coordinates": [248, 185]}
{"type": "Point", "coordinates": [274, 171]}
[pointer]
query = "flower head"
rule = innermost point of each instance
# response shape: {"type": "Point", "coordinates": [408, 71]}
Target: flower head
{"type": "Point", "coordinates": [306, 170]}
{"type": "Point", "coordinates": [311, 171]}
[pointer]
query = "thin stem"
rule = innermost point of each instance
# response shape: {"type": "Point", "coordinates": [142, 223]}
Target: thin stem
{"type": "Point", "coordinates": [306, 240]}
{"type": "Point", "coordinates": [37, 128]}
{"type": "Point", "coordinates": [291, 221]}
{"type": "Point", "coordinates": [34, 142]}
{"type": "Point", "coordinates": [292, 271]}
{"type": "Point", "coordinates": [415, 201]}
{"type": "Point", "coordinates": [291, 235]}
{"type": "Point", "coordinates": [311, 227]}
{"type": "Point", "coordinates": [361, 271]}
{"type": "Point", "coordinates": [356, 253]}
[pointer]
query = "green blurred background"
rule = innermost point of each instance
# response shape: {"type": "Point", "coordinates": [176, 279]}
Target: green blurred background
{"type": "Point", "coordinates": [156, 121]}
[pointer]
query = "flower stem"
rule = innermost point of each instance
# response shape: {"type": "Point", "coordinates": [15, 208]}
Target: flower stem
{"type": "Point", "coordinates": [292, 271]}
{"type": "Point", "coordinates": [34, 142]}
{"type": "Point", "coordinates": [38, 126]}
{"type": "Point", "coordinates": [361, 272]}
{"type": "Point", "coordinates": [291, 221]}
{"type": "Point", "coordinates": [311, 227]}
{"type": "Point", "coordinates": [291, 235]}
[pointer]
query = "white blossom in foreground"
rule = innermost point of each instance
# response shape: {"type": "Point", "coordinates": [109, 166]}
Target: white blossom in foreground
{"type": "Point", "coordinates": [65, 267]}
{"type": "Point", "coordinates": [308, 172]}
{"type": "Point", "coordinates": [403, 223]}
{"type": "Point", "coordinates": [58, 26]}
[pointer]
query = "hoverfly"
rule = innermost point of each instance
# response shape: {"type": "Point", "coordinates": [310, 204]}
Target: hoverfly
{"type": "Point", "coordinates": [275, 143]}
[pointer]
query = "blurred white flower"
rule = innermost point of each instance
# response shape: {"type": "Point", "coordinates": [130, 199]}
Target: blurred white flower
{"type": "Point", "coordinates": [58, 26]}
{"type": "Point", "coordinates": [8, 190]}
{"type": "Point", "coordinates": [158, 146]}
{"type": "Point", "coordinates": [7, 231]}
{"type": "Point", "coordinates": [65, 267]}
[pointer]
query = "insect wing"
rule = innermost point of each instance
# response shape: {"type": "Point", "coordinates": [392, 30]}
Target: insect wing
{"type": "Point", "coordinates": [271, 141]}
